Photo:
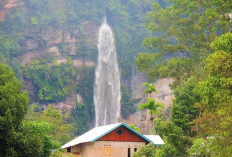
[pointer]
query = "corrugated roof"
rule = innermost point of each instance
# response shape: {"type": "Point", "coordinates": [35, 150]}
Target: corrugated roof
{"type": "Point", "coordinates": [91, 135]}
{"type": "Point", "coordinates": [156, 139]}
{"type": "Point", "coordinates": [98, 132]}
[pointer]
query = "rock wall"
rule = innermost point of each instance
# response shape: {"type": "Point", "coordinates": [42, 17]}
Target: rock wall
{"type": "Point", "coordinates": [61, 44]}
{"type": "Point", "coordinates": [141, 118]}
{"type": "Point", "coordinates": [6, 6]}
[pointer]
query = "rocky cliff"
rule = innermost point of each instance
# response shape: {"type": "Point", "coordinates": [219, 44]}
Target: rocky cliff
{"type": "Point", "coordinates": [78, 43]}
{"type": "Point", "coordinates": [164, 95]}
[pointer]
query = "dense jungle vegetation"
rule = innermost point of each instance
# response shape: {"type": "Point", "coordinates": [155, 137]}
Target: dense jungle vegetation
{"type": "Point", "coordinates": [191, 43]}
{"type": "Point", "coordinates": [39, 21]}
{"type": "Point", "coordinates": [54, 81]}
{"type": "Point", "coordinates": [188, 41]}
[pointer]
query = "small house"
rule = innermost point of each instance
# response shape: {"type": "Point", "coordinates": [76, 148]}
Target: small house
{"type": "Point", "coordinates": [115, 140]}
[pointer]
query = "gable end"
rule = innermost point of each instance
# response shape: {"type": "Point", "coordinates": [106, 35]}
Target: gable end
{"type": "Point", "coordinates": [122, 134]}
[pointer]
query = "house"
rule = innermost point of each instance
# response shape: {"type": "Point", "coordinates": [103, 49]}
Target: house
{"type": "Point", "coordinates": [115, 140]}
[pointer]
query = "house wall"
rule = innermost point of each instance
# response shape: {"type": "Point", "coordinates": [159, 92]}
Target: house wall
{"type": "Point", "coordinates": [83, 150]}
{"type": "Point", "coordinates": [97, 149]}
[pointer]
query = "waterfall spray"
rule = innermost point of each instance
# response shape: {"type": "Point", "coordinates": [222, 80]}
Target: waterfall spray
{"type": "Point", "coordinates": [107, 94]}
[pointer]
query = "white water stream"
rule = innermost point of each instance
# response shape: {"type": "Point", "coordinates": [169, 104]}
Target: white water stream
{"type": "Point", "coordinates": [107, 93]}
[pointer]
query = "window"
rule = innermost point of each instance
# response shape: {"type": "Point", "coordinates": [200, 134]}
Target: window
{"type": "Point", "coordinates": [129, 152]}
{"type": "Point", "coordinates": [135, 149]}
{"type": "Point", "coordinates": [69, 149]}
{"type": "Point", "coordinates": [119, 132]}
{"type": "Point", "coordinates": [107, 151]}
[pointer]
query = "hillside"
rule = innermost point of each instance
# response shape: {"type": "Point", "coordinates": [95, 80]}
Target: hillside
{"type": "Point", "coordinates": [52, 47]}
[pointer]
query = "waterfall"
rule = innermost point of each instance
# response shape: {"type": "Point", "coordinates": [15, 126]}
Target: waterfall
{"type": "Point", "coordinates": [107, 94]}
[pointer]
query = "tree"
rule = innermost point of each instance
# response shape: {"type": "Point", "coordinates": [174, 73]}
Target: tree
{"type": "Point", "coordinates": [13, 104]}
{"type": "Point", "coordinates": [127, 103]}
{"type": "Point", "coordinates": [202, 147]}
{"type": "Point", "coordinates": [177, 129]}
{"type": "Point", "coordinates": [179, 48]}
{"type": "Point", "coordinates": [80, 119]}
{"type": "Point", "coordinates": [152, 106]}
{"type": "Point", "coordinates": [8, 47]}
{"type": "Point", "coordinates": [215, 108]}
{"type": "Point", "coordinates": [53, 82]}
{"type": "Point", "coordinates": [150, 88]}
{"type": "Point", "coordinates": [19, 137]}
{"type": "Point", "coordinates": [34, 140]}
{"type": "Point", "coordinates": [135, 128]}
{"type": "Point", "coordinates": [183, 30]}
{"type": "Point", "coordinates": [172, 135]}
{"type": "Point", "coordinates": [60, 131]}
{"type": "Point", "coordinates": [145, 151]}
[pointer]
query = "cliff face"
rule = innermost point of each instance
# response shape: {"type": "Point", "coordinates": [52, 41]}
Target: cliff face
{"type": "Point", "coordinates": [59, 45]}
{"type": "Point", "coordinates": [56, 43]}
{"type": "Point", "coordinates": [77, 43]}
{"type": "Point", "coordinates": [6, 6]}
{"type": "Point", "coordinates": [164, 95]}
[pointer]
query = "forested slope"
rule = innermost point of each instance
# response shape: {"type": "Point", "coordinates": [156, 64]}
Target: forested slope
{"type": "Point", "coordinates": [191, 44]}
{"type": "Point", "coordinates": [52, 47]}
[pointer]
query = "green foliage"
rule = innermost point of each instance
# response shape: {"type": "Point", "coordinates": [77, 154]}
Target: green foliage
{"type": "Point", "coordinates": [46, 13]}
{"type": "Point", "coordinates": [9, 50]}
{"type": "Point", "coordinates": [82, 114]}
{"type": "Point", "coordinates": [34, 140]}
{"type": "Point", "coordinates": [177, 132]}
{"type": "Point", "coordinates": [126, 17]}
{"type": "Point", "coordinates": [15, 23]}
{"type": "Point", "coordinates": [152, 106]}
{"type": "Point", "coordinates": [202, 147]}
{"type": "Point", "coordinates": [13, 104]}
{"type": "Point", "coordinates": [59, 130]}
{"type": "Point", "coordinates": [135, 128]}
{"type": "Point", "coordinates": [17, 138]}
{"type": "Point", "coordinates": [80, 119]}
{"type": "Point", "coordinates": [65, 48]}
{"type": "Point", "coordinates": [145, 151]}
{"type": "Point", "coordinates": [182, 29]}
{"type": "Point", "coordinates": [183, 110]}
{"type": "Point", "coordinates": [150, 88]}
{"type": "Point", "coordinates": [61, 153]}
{"type": "Point", "coordinates": [223, 43]}
{"type": "Point", "coordinates": [173, 137]}
{"type": "Point", "coordinates": [201, 109]}
{"type": "Point", "coordinates": [8, 47]}
{"type": "Point", "coordinates": [34, 20]}
{"type": "Point", "coordinates": [85, 88]}
{"type": "Point", "coordinates": [127, 103]}
{"type": "Point", "coordinates": [52, 81]}
{"type": "Point", "coordinates": [215, 93]}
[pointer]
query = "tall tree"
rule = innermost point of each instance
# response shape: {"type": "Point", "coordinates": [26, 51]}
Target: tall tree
{"type": "Point", "coordinates": [19, 138]}
{"type": "Point", "coordinates": [183, 30]}
{"type": "Point", "coordinates": [177, 130]}
{"type": "Point", "coordinates": [13, 104]}
{"type": "Point", "coordinates": [60, 130]}
{"type": "Point", "coordinates": [215, 118]}
{"type": "Point", "coordinates": [150, 88]}
{"type": "Point", "coordinates": [179, 41]}
{"type": "Point", "coordinates": [152, 106]}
